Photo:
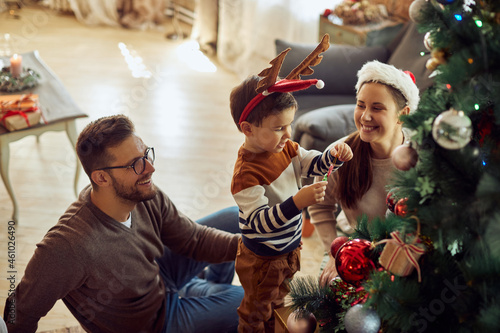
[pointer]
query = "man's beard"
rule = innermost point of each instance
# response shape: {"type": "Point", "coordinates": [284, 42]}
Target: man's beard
{"type": "Point", "coordinates": [134, 194]}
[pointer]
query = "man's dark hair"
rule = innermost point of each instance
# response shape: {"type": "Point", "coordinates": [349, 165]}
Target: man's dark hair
{"type": "Point", "coordinates": [95, 139]}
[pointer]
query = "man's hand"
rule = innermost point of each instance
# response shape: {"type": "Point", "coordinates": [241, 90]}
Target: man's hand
{"type": "Point", "coordinates": [342, 151]}
{"type": "Point", "coordinates": [310, 195]}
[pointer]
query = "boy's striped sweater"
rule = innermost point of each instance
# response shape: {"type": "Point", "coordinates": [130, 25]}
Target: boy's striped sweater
{"type": "Point", "coordinates": [263, 186]}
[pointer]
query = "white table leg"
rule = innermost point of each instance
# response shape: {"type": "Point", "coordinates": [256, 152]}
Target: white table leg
{"type": "Point", "coordinates": [72, 136]}
{"type": "Point", "coordinates": [4, 170]}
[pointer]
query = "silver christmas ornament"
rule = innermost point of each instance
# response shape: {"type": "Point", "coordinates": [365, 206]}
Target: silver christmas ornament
{"type": "Point", "coordinates": [428, 41]}
{"type": "Point", "coordinates": [452, 129]}
{"type": "Point", "coordinates": [360, 319]}
{"type": "Point", "coordinates": [415, 10]}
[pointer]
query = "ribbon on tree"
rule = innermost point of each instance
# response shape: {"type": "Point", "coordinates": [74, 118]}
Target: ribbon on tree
{"type": "Point", "coordinates": [399, 257]}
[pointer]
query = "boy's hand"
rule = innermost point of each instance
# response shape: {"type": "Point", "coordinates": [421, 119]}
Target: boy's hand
{"type": "Point", "coordinates": [310, 195]}
{"type": "Point", "coordinates": [342, 151]}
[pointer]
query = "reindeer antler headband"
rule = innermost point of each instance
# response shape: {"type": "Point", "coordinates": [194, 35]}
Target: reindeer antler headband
{"type": "Point", "coordinates": [267, 85]}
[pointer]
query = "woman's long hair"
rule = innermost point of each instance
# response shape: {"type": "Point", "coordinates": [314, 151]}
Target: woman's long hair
{"type": "Point", "coordinates": [354, 180]}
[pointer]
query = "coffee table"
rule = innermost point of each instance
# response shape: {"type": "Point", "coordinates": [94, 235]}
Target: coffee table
{"type": "Point", "coordinates": [59, 110]}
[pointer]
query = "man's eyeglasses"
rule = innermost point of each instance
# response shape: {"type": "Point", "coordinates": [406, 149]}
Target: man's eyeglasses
{"type": "Point", "coordinates": [138, 165]}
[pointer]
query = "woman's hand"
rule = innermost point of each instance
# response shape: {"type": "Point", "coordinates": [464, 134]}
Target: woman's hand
{"type": "Point", "coordinates": [342, 151]}
{"type": "Point", "coordinates": [329, 272]}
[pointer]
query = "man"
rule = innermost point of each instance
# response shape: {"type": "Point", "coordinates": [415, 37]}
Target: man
{"type": "Point", "coordinates": [122, 258]}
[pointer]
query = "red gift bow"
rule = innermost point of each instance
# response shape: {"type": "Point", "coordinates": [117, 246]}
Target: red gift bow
{"type": "Point", "coordinates": [11, 113]}
{"type": "Point", "coordinates": [8, 113]}
{"type": "Point", "coordinates": [407, 248]}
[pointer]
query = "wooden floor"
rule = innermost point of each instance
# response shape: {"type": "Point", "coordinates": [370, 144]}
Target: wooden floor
{"type": "Point", "coordinates": [183, 113]}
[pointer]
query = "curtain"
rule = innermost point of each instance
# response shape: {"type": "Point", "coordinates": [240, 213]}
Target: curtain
{"type": "Point", "coordinates": [137, 14]}
{"type": "Point", "coordinates": [95, 12]}
{"type": "Point", "coordinates": [248, 28]}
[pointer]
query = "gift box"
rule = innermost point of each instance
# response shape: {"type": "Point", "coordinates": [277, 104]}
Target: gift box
{"type": "Point", "coordinates": [280, 319]}
{"type": "Point", "coordinates": [19, 111]}
{"type": "Point", "coordinates": [401, 258]}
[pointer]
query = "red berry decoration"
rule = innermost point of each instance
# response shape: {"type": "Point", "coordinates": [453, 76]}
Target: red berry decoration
{"type": "Point", "coordinates": [391, 200]}
{"type": "Point", "coordinates": [401, 208]}
{"type": "Point", "coordinates": [353, 261]}
{"type": "Point", "coordinates": [337, 243]}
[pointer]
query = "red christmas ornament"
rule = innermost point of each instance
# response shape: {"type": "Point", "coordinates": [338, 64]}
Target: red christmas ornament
{"type": "Point", "coordinates": [336, 244]}
{"type": "Point", "coordinates": [404, 157]}
{"type": "Point", "coordinates": [401, 208]}
{"type": "Point", "coordinates": [391, 200]}
{"type": "Point", "coordinates": [353, 261]}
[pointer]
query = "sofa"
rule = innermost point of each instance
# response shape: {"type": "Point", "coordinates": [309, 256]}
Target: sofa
{"type": "Point", "coordinates": [325, 115]}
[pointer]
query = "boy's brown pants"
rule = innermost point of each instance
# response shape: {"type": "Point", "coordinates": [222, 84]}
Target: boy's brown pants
{"type": "Point", "coordinates": [265, 281]}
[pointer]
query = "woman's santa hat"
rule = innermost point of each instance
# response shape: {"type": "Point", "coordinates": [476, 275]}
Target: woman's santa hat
{"type": "Point", "coordinates": [404, 81]}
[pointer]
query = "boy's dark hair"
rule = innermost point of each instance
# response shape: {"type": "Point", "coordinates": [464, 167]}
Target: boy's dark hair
{"type": "Point", "coordinates": [95, 139]}
{"type": "Point", "coordinates": [273, 104]}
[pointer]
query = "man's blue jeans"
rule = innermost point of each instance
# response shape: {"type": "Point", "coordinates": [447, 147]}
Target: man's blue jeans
{"type": "Point", "coordinates": [201, 305]}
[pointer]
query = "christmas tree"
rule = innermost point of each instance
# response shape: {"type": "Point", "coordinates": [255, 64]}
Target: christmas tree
{"type": "Point", "coordinates": [433, 264]}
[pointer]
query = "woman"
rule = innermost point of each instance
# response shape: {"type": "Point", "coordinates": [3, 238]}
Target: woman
{"type": "Point", "coordinates": [384, 93]}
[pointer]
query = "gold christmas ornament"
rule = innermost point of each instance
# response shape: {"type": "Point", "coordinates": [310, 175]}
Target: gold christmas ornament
{"type": "Point", "coordinates": [431, 64]}
{"type": "Point", "coordinates": [438, 57]}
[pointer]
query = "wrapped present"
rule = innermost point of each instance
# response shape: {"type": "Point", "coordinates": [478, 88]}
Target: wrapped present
{"type": "Point", "coordinates": [19, 111]}
{"type": "Point", "coordinates": [401, 258]}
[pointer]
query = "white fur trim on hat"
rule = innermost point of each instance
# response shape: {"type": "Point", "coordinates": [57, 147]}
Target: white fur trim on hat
{"type": "Point", "coordinates": [375, 71]}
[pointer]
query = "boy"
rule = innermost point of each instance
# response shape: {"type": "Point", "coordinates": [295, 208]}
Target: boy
{"type": "Point", "coordinates": [265, 185]}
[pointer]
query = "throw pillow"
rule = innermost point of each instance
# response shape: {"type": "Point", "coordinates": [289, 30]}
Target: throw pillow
{"type": "Point", "coordinates": [407, 56]}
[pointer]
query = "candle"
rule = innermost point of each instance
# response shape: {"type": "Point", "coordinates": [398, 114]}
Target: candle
{"type": "Point", "coordinates": [16, 65]}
